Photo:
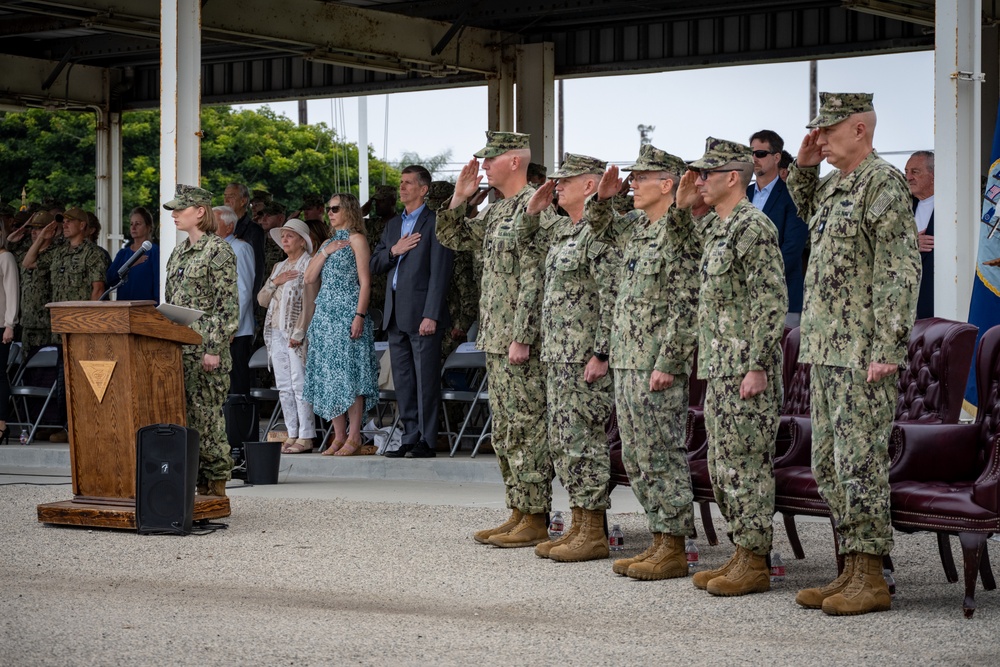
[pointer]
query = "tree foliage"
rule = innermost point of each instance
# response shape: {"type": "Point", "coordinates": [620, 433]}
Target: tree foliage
{"type": "Point", "coordinates": [52, 155]}
{"type": "Point", "coordinates": [436, 164]}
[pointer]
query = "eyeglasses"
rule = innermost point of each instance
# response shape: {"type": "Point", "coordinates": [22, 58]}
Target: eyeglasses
{"type": "Point", "coordinates": [704, 173]}
{"type": "Point", "coordinates": [642, 178]}
{"type": "Point", "coordinates": [762, 153]}
{"type": "Point", "coordinates": [333, 209]}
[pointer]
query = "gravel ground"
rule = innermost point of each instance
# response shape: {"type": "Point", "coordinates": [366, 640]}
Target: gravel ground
{"type": "Point", "coordinates": [321, 582]}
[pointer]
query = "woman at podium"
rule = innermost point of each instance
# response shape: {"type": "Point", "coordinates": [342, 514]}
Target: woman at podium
{"type": "Point", "coordinates": [201, 274]}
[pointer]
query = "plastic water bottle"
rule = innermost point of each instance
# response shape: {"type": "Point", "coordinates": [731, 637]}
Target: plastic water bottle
{"type": "Point", "coordinates": [24, 436]}
{"type": "Point", "coordinates": [557, 525]}
{"type": "Point", "coordinates": [777, 568]}
{"type": "Point", "coordinates": [889, 581]}
{"type": "Point", "coordinates": [616, 539]}
{"type": "Point", "coordinates": [691, 551]}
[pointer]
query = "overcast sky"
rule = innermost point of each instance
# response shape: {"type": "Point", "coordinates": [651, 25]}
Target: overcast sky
{"type": "Point", "coordinates": [602, 113]}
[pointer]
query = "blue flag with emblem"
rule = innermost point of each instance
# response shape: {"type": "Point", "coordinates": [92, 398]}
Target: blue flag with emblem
{"type": "Point", "coordinates": [984, 308]}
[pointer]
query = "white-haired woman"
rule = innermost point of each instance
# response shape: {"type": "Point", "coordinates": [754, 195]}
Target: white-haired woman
{"type": "Point", "coordinates": [282, 295]}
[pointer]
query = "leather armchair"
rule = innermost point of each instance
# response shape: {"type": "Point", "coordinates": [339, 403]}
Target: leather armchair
{"type": "Point", "coordinates": [946, 478]}
{"type": "Point", "coordinates": [930, 391]}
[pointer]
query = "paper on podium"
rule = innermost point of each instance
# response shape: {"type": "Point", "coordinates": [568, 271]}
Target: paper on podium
{"type": "Point", "coordinates": [179, 314]}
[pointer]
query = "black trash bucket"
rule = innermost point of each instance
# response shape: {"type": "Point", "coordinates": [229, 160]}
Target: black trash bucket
{"type": "Point", "coordinates": [262, 461]}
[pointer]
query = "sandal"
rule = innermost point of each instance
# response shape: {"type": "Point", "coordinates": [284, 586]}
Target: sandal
{"type": "Point", "coordinates": [349, 448]}
{"type": "Point", "coordinates": [333, 448]}
{"type": "Point", "coordinates": [287, 444]}
{"type": "Point", "coordinates": [300, 447]}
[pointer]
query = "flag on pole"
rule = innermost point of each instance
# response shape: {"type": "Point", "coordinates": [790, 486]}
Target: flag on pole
{"type": "Point", "coordinates": [984, 308]}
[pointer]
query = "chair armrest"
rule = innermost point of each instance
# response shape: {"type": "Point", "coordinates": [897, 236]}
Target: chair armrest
{"type": "Point", "coordinates": [933, 452]}
{"type": "Point", "coordinates": [799, 452]}
{"type": "Point", "coordinates": [697, 436]}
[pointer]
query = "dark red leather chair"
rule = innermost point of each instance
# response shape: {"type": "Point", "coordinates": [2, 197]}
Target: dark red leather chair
{"type": "Point", "coordinates": [931, 388]}
{"type": "Point", "coordinates": [945, 478]}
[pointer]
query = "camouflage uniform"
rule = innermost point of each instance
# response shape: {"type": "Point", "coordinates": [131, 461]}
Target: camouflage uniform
{"type": "Point", "coordinates": [273, 254]}
{"type": "Point", "coordinates": [741, 315]}
{"type": "Point", "coordinates": [202, 275]}
{"type": "Point", "coordinates": [509, 311]}
{"type": "Point", "coordinates": [36, 291]}
{"type": "Point", "coordinates": [374, 226]}
{"type": "Point", "coordinates": [861, 291]}
{"type": "Point", "coordinates": [73, 270]}
{"type": "Point", "coordinates": [653, 329]}
{"type": "Point", "coordinates": [577, 311]}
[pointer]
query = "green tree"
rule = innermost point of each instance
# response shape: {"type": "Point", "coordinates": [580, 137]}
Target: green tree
{"type": "Point", "coordinates": [52, 154]}
{"type": "Point", "coordinates": [436, 164]}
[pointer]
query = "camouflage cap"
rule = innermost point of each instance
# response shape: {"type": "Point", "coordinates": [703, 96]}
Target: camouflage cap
{"type": "Point", "coordinates": [385, 192]}
{"type": "Point", "coordinates": [836, 107]}
{"type": "Point", "coordinates": [77, 213]}
{"type": "Point", "coordinates": [440, 190]}
{"type": "Point", "coordinates": [313, 200]}
{"type": "Point", "coordinates": [498, 143]}
{"type": "Point", "coordinates": [574, 165]}
{"type": "Point", "coordinates": [652, 158]}
{"type": "Point", "coordinates": [274, 208]}
{"type": "Point", "coordinates": [720, 152]}
{"type": "Point", "coordinates": [260, 195]}
{"type": "Point", "coordinates": [21, 217]}
{"type": "Point", "coordinates": [188, 195]}
{"type": "Point", "coordinates": [40, 219]}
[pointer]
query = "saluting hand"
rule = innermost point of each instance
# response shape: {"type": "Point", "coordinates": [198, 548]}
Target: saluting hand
{"type": "Point", "coordinates": [542, 198]}
{"type": "Point", "coordinates": [467, 183]}
{"type": "Point", "coordinates": [687, 190]}
{"type": "Point", "coordinates": [810, 154]}
{"type": "Point", "coordinates": [610, 184]}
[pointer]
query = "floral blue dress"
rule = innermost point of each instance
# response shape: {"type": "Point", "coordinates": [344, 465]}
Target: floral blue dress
{"type": "Point", "coordinates": [339, 368]}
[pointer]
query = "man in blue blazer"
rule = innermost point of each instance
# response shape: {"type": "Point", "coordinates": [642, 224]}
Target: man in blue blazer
{"type": "Point", "coordinates": [770, 194]}
{"type": "Point", "coordinates": [415, 316]}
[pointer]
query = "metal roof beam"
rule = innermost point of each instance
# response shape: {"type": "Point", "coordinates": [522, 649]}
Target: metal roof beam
{"type": "Point", "coordinates": [21, 85]}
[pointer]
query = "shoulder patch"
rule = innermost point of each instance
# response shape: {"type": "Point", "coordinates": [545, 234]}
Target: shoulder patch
{"type": "Point", "coordinates": [747, 240]}
{"type": "Point", "coordinates": [221, 258]}
{"type": "Point", "coordinates": [596, 249]}
{"type": "Point", "coordinates": [881, 204]}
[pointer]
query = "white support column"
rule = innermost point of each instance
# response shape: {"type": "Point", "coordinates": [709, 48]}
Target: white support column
{"type": "Point", "coordinates": [363, 187]}
{"type": "Point", "coordinates": [180, 110]}
{"type": "Point", "coordinates": [111, 232]}
{"type": "Point", "coordinates": [536, 99]}
{"type": "Point", "coordinates": [104, 190]}
{"type": "Point", "coordinates": [957, 189]}
{"type": "Point", "coordinates": [501, 96]}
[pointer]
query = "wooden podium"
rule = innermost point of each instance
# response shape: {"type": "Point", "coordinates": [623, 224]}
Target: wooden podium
{"type": "Point", "coordinates": [123, 371]}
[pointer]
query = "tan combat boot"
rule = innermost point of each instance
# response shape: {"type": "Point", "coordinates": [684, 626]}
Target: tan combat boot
{"type": "Point", "coordinates": [543, 549]}
{"type": "Point", "coordinates": [812, 598]}
{"type": "Point", "coordinates": [621, 565]}
{"type": "Point", "coordinates": [529, 531]}
{"type": "Point", "coordinates": [483, 536]}
{"type": "Point", "coordinates": [866, 592]}
{"type": "Point", "coordinates": [702, 578]}
{"type": "Point", "coordinates": [216, 487]}
{"type": "Point", "coordinates": [590, 543]}
{"type": "Point", "coordinates": [749, 574]}
{"type": "Point", "coordinates": [667, 562]}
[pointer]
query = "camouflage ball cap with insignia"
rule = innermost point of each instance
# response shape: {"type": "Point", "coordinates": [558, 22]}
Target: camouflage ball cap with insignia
{"type": "Point", "coordinates": [186, 196]}
{"type": "Point", "coordinates": [720, 153]}
{"type": "Point", "coordinates": [837, 107]}
{"type": "Point", "coordinates": [498, 143]}
{"type": "Point", "coordinates": [575, 165]}
{"type": "Point", "coordinates": [654, 159]}
{"type": "Point", "coordinates": [438, 193]}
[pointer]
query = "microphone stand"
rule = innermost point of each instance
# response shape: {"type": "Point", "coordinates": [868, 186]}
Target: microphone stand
{"type": "Point", "coordinates": [122, 280]}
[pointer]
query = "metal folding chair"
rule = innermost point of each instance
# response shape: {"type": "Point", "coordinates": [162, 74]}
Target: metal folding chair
{"type": "Point", "coordinates": [47, 357]}
{"type": "Point", "coordinates": [469, 364]}
{"type": "Point", "coordinates": [258, 361]}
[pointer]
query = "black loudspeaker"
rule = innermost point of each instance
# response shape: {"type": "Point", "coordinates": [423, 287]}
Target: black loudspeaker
{"type": "Point", "coordinates": [166, 473]}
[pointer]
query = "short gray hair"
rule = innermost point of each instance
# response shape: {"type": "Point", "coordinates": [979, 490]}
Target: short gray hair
{"type": "Point", "coordinates": [226, 216]}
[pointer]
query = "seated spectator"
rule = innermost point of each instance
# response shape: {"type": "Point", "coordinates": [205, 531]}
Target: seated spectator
{"type": "Point", "coordinates": [143, 281]}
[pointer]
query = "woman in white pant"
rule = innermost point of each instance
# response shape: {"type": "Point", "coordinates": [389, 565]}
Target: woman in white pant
{"type": "Point", "coordinates": [284, 333]}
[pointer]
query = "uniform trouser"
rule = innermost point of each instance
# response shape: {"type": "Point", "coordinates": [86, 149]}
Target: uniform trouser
{"type": "Point", "coordinates": [289, 378]}
{"type": "Point", "coordinates": [517, 397]}
{"type": "Point", "coordinates": [578, 441]}
{"type": "Point", "coordinates": [851, 423]}
{"type": "Point", "coordinates": [741, 436]}
{"type": "Point", "coordinates": [205, 394]}
{"type": "Point", "coordinates": [652, 426]}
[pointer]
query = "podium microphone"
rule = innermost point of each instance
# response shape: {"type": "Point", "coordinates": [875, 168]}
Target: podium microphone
{"type": "Point", "coordinates": [143, 249]}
